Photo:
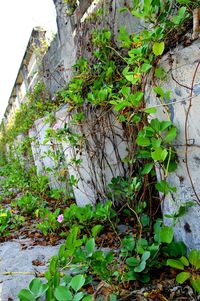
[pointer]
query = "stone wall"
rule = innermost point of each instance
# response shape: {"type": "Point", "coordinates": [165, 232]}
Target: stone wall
{"type": "Point", "coordinates": [103, 159]}
{"type": "Point", "coordinates": [74, 36]}
{"type": "Point", "coordinates": [101, 155]}
{"type": "Point", "coordinates": [183, 80]}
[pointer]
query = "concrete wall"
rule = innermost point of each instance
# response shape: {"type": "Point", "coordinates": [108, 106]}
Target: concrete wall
{"type": "Point", "coordinates": [184, 64]}
{"type": "Point", "coordinates": [183, 74]}
{"type": "Point", "coordinates": [45, 154]}
{"type": "Point", "coordinates": [74, 36]}
{"type": "Point", "coordinates": [27, 75]}
{"type": "Point", "coordinates": [101, 155]}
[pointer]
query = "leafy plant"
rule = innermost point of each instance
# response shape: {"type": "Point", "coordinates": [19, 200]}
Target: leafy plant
{"type": "Point", "coordinates": [5, 217]}
{"type": "Point", "coordinates": [28, 203]}
{"type": "Point", "coordinates": [144, 255]}
{"type": "Point", "coordinates": [9, 221]}
{"type": "Point", "coordinates": [67, 291]}
{"type": "Point", "coordinates": [182, 210]}
{"type": "Point", "coordinates": [35, 291]}
{"type": "Point", "coordinates": [190, 267]}
{"type": "Point", "coordinates": [49, 224]}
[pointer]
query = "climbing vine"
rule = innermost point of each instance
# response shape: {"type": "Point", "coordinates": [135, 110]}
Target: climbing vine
{"type": "Point", "coordinates": [106, 103]}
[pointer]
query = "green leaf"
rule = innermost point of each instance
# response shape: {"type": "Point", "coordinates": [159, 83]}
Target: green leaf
{"type": "Point", "coordinates": [145, 255]}
{"type": "Point", "coordinates": [158, 48]}
{"type": "Point", "coordinates": [186, 2]}
{"type": "Point", "coordinates": [137, 14]}
{"type": "Point", "coordinates": [87, 298]}
{"type": "Point", "coordinates": [151, 110]}
{"type": "Point", "coordinates": [37, 287]}
{"type": "Point", "coordinates": [53, 264]}
{"type": "Point", "coordinates": [147, 168]}
{"type": "Point", "coordinates": [136, 98]}
{"type": "Point", "coordinates": [78, 296]}
{"type": "Point", "coordinates": [96, 230]}
{"type": "Point", "coordinates": [126, 91]}
{"type": "Point", "coordinates": [56, 278]}
{"type": "Point", "coordinates": [159, 154]}
{"type": "Point", "coordinates": [140, 267]}
{"type": "Point", "coordinates": [195, 281]}
{"type": "Point", "coordinates": [90, 246]}
{"type": "Point", "coordinates": [176, 249]}
{"type": "Point", "coordinates": [164, 125]}
{"type": "Point", "coordinates": [194, 258]}
{"type": "Point", "coordinates": [132, 261]}
{"type": "Point", "coordinates": [166, 234]}
{"type": "Point", "coordinates": [175, 264]}
{"type": "Point", "coordinates": [77, 282]}
{"type": "Point", "coordinates": [155, 125]}
{"type": "Point", "coordinates": [128, 243]}
{"type": "Point", "coordinates": [160, 73]}
{"type": "Point", "coordinates": [136, 118]}
{"type": "Point", "coordinates": [118, 106]}
{"type": "Point", "coordinates": [184, 260]}
{"type": "Point", "coordinates": [182, 277]}
{"type": "Point", "coordinates": [145, 220]}
{"type": "Point", "coordinates": [146, 67]}
{"type": "Point", "coordinates": [142, 141]}
{"type": "Point", "coordinates": [131, 276]}
{"type": "Point", "coordinates": [62, 293]}
{"type": "Point", "coordinates": [26, 295]}
{"type": "Point", "coordinates": [156, 142]}
{"type": "Point", "coordinates": [158, 90]}
{"type": "Point", "coordinates": [113, 297]}
{"type": "Point", "coordinates": [171, 135]}
{"type": "Point", "coordinates": [164, 187]}
{"type": "Point", "coordinates": [122, 9]}
{"type": "Point", "coordinates": [124, 37]}
{"type": "Point", "coordinates": [180, 17]}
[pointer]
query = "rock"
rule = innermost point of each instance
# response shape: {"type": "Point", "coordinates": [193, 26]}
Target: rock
{"type": "Point", "coordinates": [14, 259]}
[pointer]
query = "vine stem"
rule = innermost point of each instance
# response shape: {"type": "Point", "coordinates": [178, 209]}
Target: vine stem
{"type": "Point", "coordinates": [117, 53]}
{"type": "Point", "coordinates": [114, 229]}
{"type": "Point", "coordinates": [138, 219]}
{"type": "Point", "coordinates": [186, 134]}
{"type": "Point", "coordinates": [17, 273]}
{"type": "Point", "coordinates": [172, 102]}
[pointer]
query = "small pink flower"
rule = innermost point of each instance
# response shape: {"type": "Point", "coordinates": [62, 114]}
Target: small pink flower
{"type": "Point", "coordinates": [60, 218]}
{"type": "Point", "coordinates": [56, 127]}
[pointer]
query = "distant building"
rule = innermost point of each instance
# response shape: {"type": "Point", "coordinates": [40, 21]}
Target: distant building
{"type": "Point", "coordinates": [27, 74]}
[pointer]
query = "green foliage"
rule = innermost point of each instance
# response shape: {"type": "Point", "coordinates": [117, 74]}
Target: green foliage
{"type": "Point", "coordinates": [4, 221]}
{"type": "Point", "coordinates": [182, 210]}
{"type": "Point", "coordinates": [87, 216]}
{"type": "Point", "coordinates": [158, 48]}
{"type": "Point", "coordinates": [156, 137]}
{"type": "Point", "coordinates": [28, 203]}
{"type": "Point", "coordinates": [14, 176]}
{"type": "Point", "coordinates": [9, 221]}
{"type": "Point", "coordinates": [61, 293]}
{"type": "Point", "coordinates": [114, 80]}
{"type": "Point", "coordinates": [49, 224]}
{"type": "Point", "coordinates": [190, 267]}
{"type": "Point", "coordinates": [143, 256]}
{"type": "Point", "coordinates": [35, 291]}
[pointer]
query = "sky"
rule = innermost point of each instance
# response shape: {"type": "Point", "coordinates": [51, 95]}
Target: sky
{"type": "Point", "coordinates": [17, 19]}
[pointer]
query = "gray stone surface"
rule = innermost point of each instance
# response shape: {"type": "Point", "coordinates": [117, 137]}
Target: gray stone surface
{"type": "Point", "coordinates": [14, 259]}
{"type": "Point", "coordinates": [179, 77]}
